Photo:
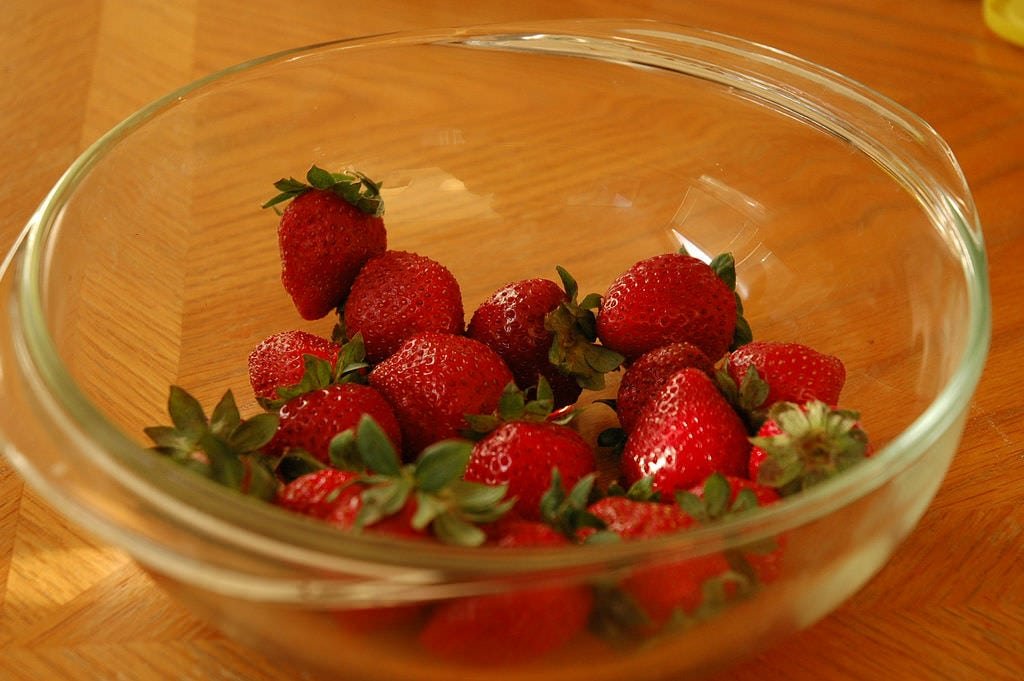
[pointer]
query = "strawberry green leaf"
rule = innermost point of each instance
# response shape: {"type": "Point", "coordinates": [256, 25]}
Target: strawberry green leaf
{"type": "Point", "coordinates": [692, 505]}
{"type": "Point", "coordinates": [354, 187]}
{"type": "Point", "coordinates": [602, 537]}
{"type": "Point", "coordinates": [724, 266]}
{"type": "Point", "coordinates": [451, 529]}
{"type": "Point", "coordinates": [480, 502]}
{"type": "Point", "coordinates": [319, 178]}
{"type": "Point", "coordinates": [343, 453]}
{"type": "Point", "coordinates": [479, 425]}
{"type": "Point", "coordinates": [428, 508]}
{"type": "Point", "coordinates": [375, 449]}
{"type": "Point", "coordinates": [383, 499]}
{"type": "Point", "coordinates": [186, 413]}
{"type": "Point", "coordinates": [745, 500]}
{"type": "Point", "coordinates": [225, 467]}
{"type": "Point", "coordinates": [643, 490]}
{"type": "Point", "coordinates": [168, 438]}
{"type": "Point", "coordinates": [573, 327]}
{"type": "Point", "coordinates": [440, 464]}
{"type": "Point", "coordinates": [512, 403]}
{"type": "Point", "coordinates": [816, 442]}
{"type": "Point", "coordinates": [567, 512]}
{"type": "Point", "coordinates": [225, 417]}
{"type": "Point", "coordinates": [568, 282]}
{"type": "Point", "coordinates": [717, 492]}
{"type": "Point", "coordinates": [253, 433]}
{"type": "Point", "coordinates": [544, 396]}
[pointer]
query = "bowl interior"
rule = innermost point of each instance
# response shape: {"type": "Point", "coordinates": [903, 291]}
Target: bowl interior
{"type": "Point", "coordinates": [502, 155]}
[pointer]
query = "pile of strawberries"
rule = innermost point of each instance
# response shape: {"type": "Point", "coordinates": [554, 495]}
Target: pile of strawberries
{"type": "Point", "coordinates": [407, 421]}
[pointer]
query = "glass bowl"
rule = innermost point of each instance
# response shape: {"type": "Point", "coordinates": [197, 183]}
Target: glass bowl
{"type": "Point", "coordinates": [503, 151]}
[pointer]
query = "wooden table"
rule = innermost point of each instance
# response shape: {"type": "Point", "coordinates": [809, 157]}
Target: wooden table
{"type": "Point", "coordinates": [950, 605]}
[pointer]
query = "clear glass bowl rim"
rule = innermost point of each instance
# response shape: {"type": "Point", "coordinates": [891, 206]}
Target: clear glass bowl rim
{"type": "Point", "coordinates": [271, 531]}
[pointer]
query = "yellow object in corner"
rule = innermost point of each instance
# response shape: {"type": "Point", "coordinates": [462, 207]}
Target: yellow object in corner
{"type": "Point", "coordinates": [1006, 18]}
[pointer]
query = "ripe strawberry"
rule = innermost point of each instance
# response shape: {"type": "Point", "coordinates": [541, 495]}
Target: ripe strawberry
{"type": "Point", "coordinates": [801, 445]}
{"type": "Point", "coordinates": [277, 361]}
{"type": "Point", "coordinates": [331, 227]}
{"type": "Point", "coordinates": [434, 380]}
{"type": "Point", "coordinates": [310, 420]}
{"type": "Point", "coordinates": [317, 493]}
{"type": "Point", "coordinates": [398, 294]}
{"type": "Point", "coordinates": [647, 374]}
{"type": "Point", "coordinates": [223, 446]}
{"type": "Point", "coordinates": [670, 298]}
{"type": "Point", "coordinates": [522, 455]}
{"type": "Point", "coordinates": [648, 598]}
{"type": "Point", "coordinates": [515, 626]}
{"type": "Point", "coordinates": [524, 444]}
{"type": "Point", "coordinates": [417, 500]}
{"type": "Point", "coordinates": [722, 496]}
{"type": "Point", "coordinates": [761, 373]}
{"type": "Point", "coordinates": [684, 434]}
{"type": "Point", "coordinates": [539, 329]}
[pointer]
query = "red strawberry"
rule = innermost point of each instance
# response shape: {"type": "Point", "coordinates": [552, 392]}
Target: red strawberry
{"type": "Point", "coordinates": [540, 330]}
{"type": "Point", "coordinates": [672, 298]}
{"type": "Point", "coordinates": [331, 227]}
{"type": "Point", "coordinates": [417, 500]}
{"type": "Point", "coordinates": [722, 496]}
{"type": "Point", "coordinates": [316, 494]}
{"type": "Point", "coordinates": [647, 374]}
{"type": "Point", "coordinates": [514, 626]}
{"type": "Point", "coordinates": [511, 322]}
{"type": "Point", "coordinates": [398, 294]}
{"type": "Point", "coordinates": [684, 434]}
{"type": "Point", "coordinates": [434, 380]}
{"type": "Point", "coordinates": [522, 455]}
{"type": "Point", "coordinates": [788, 372]}
{"type": "Point", "coordinates": [311, 420]}
{"type": "Point", "coordinates": [802, 445]}
{"type": "Point", "coordinates": [648, 597]}
{"type": "Point", "coordinates": [636, 519]}
{"type": "Point", "coordinates": [277, 361]}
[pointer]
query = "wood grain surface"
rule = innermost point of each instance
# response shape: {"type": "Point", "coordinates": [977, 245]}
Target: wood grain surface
{"type": "Point", "coordinates": [949, 605]}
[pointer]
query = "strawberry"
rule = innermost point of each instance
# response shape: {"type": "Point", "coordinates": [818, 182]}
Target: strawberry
{"type": "Point", "coordinates": [522, 443]}
{"type": "Point", "coordinates": [417, 500]}
{"type": "Point", "coordinates": [346, 365]}
{"type": "Point", "coordinates": [722, 496]}
{"type": "Point", "coordinates": [647, 374]}
{"type": "Point", "coordinates": [277, 361]}
{"type": "Point", "coordinates": [398, 294]}
{"type": "Point", "coordinates": [686, 432]}
{"type": "Point", "coordinates": [331, 227]}
{"type": "Point", "coordinates": [522, 455]}
{"type": "Point", "coordinates": [223, 446]}
{"type": "Point", "coordinates": [513, 626]}
{"type": "Point", "coordinates": [648, 598]}
{"type": "Point", "coordinates": [540, 329]}
{"type": "Point", "coordinates": [310, 420]}
{"type": "Point", "coordinates": [315, 494]}
{"type": "Point", "coordinates": [670, 298]}
{"type": "Point", "coordinates": [802, 445]}
{"type": "Point", "coordinates": [761, 373]}
{"type": "Point", "coordinates": [434, 380]}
